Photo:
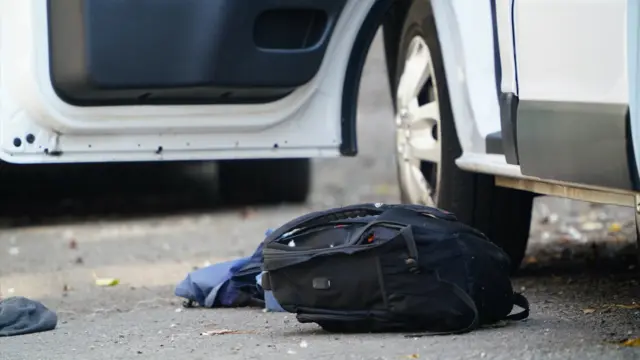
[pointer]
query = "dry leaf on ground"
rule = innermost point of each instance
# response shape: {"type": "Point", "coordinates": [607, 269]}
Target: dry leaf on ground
{"type": "Point", "coordinates": [615, 227]}
{"type": "Point", "coordinates": [631, 342]}
{"type": "Point", "coordinates": [105, 281]}
{"type": "Point", "coordinates": [632, 306]}
{"type": "Point", "coordinates": [222, 332]}
{"type": "Point", "coordinates": [588, 311]}
{"type": "Point", "coordinates": [591, 226]}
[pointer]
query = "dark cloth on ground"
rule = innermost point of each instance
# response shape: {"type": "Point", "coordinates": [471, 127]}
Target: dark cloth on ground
{"type": "Point", "coordinates": [19, 316]}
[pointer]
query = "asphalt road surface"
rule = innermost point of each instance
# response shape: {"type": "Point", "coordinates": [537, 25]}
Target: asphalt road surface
{"type": "Point", "coordinates": [61, 226]}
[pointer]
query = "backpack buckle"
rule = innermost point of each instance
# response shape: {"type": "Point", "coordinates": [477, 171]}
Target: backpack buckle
{"type": "Point", "coordinates": [413, 265]}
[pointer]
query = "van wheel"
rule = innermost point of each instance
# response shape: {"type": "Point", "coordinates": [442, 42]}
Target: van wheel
{"type": "Point", "coordinates": [272, 181]}
{"type": "Point", "coordinates": [427, 145]}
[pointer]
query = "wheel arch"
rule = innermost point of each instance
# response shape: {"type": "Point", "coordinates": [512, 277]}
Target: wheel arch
{"type": "Point", "coordinates": [470, 133]}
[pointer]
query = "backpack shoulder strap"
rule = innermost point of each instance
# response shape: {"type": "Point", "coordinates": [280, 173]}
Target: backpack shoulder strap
{"type": "Point", "coordinates": [521, 301]}
{"type": "Point", "coordinates": [467, 300]}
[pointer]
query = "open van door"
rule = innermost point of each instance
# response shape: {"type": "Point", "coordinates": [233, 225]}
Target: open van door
{"type": "Point", "coordinates": [134, 80]}
{"type": "Point", "coordinates": [149, 80]}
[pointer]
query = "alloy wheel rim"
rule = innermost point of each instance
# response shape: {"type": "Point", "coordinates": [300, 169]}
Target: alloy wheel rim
{"type": "Point", "coordinates": [418, 130]}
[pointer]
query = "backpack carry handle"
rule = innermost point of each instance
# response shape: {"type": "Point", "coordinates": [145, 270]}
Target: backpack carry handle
{"type": "Point", "coordinates": [348, 212]}
{"type": "Point", "coordinates": [323, 217]}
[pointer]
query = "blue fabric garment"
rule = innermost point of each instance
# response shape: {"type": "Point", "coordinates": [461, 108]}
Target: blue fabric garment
{"type": "Point", "coordinates": [270, 302]}
{"type": "Point", "coordinates": [204, 285]}
{"type": "Point", "coordinates": [232, 283]}
{"type": "Point", "coordinates": [242, 289]}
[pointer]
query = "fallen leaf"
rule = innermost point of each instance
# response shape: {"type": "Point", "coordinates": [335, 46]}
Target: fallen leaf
{"type": "Point", "coordinates": [73, 244]}
{"type": "Point", "coordinates": [588, 311]}
{"type": "Point", "coordinates": [221, 332]}
{"type": "Point", "coordinates": [632, 306]}
{"type": "Point", "coordinates": [412, 356]}
{"type": "Point", "coordinates": [615, 227]}
{"type": "Point", "coordinates": [107, 281]}
{"type": "Point", "coordinates": [66, 288]}
{"type": "Point", "coordinates": [592, 226]}
{"type": "Point", "coordinates": [531, 260]}
{"type": "Point", "coordinates": [631, 342]}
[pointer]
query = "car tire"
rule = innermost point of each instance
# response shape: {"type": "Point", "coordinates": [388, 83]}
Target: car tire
{"type": "Point", "coordinates": [504, 215]}
{"type": "Point", "coordinates": [270, 181]}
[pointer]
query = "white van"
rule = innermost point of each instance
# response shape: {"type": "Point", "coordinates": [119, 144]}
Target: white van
{"type": "Point", "coordinates": [495, 100]}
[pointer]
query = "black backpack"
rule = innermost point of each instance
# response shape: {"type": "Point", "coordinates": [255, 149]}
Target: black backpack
{"type": "Point", "coordinates": [378, 267]}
